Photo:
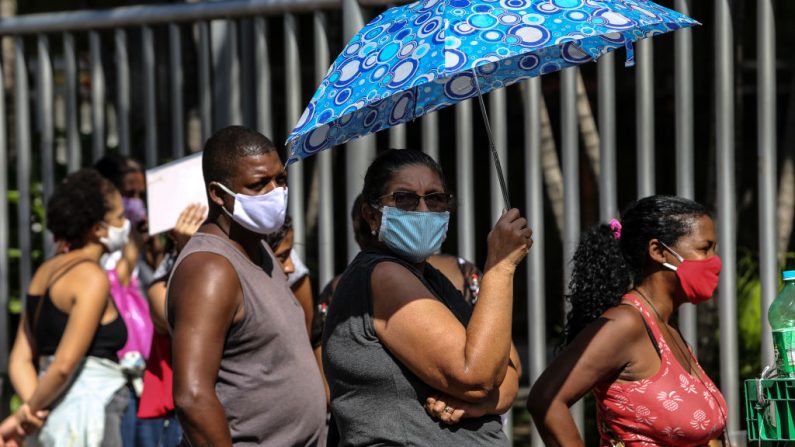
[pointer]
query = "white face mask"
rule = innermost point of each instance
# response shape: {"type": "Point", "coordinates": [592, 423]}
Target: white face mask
{"type": "Point", "coordinates": [263, 214]}
{"type": "Point", "coordinates": [117, 236]}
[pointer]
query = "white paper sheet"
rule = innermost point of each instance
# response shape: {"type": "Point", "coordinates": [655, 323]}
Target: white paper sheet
{"type": "Point", "coordinates": [170, 188]}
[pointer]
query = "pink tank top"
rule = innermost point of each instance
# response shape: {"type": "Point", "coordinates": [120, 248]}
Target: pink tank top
{"type": "Point", "coordinates": [670, 408]}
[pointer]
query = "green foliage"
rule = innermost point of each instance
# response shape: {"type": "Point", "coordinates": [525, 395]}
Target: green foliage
{"type": "Point", "coordinates": [38, 212]}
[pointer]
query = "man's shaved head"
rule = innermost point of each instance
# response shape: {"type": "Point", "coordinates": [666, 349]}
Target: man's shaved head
{"type": "Point", "coordinates": [227, 147]}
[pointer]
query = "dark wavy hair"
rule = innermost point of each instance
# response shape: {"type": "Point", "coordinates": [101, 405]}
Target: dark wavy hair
{"type": "Point", "coordinates": [605, 268]}
{"type": "Point", "coordinates": [377, 178]}
{"type": "Point", "coordinates": [276, 238]}
{"type": "Point", "coordinates": [78, 203]}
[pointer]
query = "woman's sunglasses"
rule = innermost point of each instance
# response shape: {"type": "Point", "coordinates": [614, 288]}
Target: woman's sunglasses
{"type": "Point", "coordinates": [409, 201]}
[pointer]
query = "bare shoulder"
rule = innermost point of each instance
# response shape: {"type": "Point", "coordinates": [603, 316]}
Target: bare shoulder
{"type": "Point", "coordinates": [204, 267]}
{"type": "Point", "coordinates": [389, 277]}
{"type": "Point", "coordinates": [624, 320]}
{"type": "Point", "coordinates": [204, 274]}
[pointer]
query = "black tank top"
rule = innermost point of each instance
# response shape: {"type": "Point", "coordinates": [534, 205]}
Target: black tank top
{"type": "Point", "coordinates": [49, 326]}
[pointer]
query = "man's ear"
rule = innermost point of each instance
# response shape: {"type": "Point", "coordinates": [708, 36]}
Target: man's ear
{"type": "Point", "coordinates": [656, 251]}
{"type": "Point", "coordinates": [215, 193]}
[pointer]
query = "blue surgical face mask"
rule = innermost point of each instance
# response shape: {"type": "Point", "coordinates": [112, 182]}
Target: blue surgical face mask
{"type": "Point", "coordinates": [413, 235]}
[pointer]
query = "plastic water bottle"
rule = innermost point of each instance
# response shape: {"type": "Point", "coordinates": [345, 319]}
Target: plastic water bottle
{"type": "Point", "coordinates": [781, 316]}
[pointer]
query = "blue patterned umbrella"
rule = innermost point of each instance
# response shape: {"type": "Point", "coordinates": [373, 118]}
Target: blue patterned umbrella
{"type": "Point", "coordinates": [430, 54]}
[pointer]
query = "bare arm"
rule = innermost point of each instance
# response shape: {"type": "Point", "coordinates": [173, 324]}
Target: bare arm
{"type": "Point", "coordinates": [90, 302]}
{"type": "Point", "coordinates": [303, 293]}
{"type": "Point", "coordinates": [466, 363]}
{"type": "Point", "coordinates": [599, 353]}
{"type": "Point", "coordinates": [499, 401]}
{"type": "Point", "coordinates": [205, 300]}
{"type": "Point", "coordinates": [21, 367]}
{"type": "Point", "coordinates": [157, 306]}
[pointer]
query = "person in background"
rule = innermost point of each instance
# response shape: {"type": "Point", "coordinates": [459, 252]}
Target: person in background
{"type": "Point", "coordinates": [157, 402]}
{"type": "Point", "coordinates": [244, 373]}
{"type": "Point", "coordinates": [281, 242]}
{"type": "Point", "coordinates": [130, 273]}
{"type": "Point", "coordinates": [628, 278]}
{"type": "Point", "coordinates": [399, 341]}
{"type": "Point", "coordinates": [64, 356]}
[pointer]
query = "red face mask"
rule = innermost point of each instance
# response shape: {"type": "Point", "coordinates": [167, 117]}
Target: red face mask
{"type": "Point", "coordinates": [698, 277]}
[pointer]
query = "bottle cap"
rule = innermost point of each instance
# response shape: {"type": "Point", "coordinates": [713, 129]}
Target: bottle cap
{"type": "Point", "coordinates": [788, 275]}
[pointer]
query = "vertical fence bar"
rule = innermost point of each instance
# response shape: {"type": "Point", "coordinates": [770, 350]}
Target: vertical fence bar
{"type": "Point", "coordinates": [465, 187]}
{"type": "Point", "coordinates": [22, 116]}
{"type": "Point", "coordinates": [397, 136]}
{"type": "Point", "coordinates": [727, 300]}
{"type": "Point", "coordinates": [645, 118]}
{"type": "Point", "coordinates": [360, 152]}
{"type": "Point", "coordinates": [150, 98]}
{"type": "Point", "coordinates": [534, 204]}
{"type": "Point", "coordinates": [205, 85]}
{"type": "Point", "coordinates": [571, 189]}
{"type": "Point", "coordinates": [44, 108]}
{"type": "Point", "coordinates": [97, 97]}
{"type": "Point", "coordinates": [608, 196]}
{"type": "Point", "coordinates": [263, 77]}
{"type": "Point", "coordinates": [325, 227]}
{"type": "Point", "coordinates": [233, 93]}
{"type": "Point", "coordinates": [430, 135]}
{"type": "Point", "coordinates": [122, 90]}
{"type": "Point", "coordinates": [72, 133]}
{"type": "Point", "coordinates": [292, 69]}
{"type": "Point", "coordinates": [176, 86]}
{"type": "Point", "coordinates": [766, 138]}
{"type": "Point", "coordinates": [5, 224]}
{"type": "Point", "coordinates": [683, 67]}
{"type": "Point", "coordinates": [499, 127]}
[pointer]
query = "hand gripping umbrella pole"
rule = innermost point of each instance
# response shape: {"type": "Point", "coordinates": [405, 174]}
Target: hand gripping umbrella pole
{"type": "Point", "coordinates": [494, 155]}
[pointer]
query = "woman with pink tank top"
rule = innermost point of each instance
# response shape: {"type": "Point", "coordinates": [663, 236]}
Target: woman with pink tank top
{"type": "Point", "coordinates": [628, 279]}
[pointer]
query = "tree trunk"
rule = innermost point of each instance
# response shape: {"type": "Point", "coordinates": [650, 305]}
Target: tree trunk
{"type": "Point", "coordinates": [553, 176]}
{"type": "Point", "coordinates": [588, 130]}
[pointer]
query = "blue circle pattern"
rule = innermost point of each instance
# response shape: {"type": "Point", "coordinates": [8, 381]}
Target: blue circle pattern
{"type": "Point", "coordinates": [418, 58]}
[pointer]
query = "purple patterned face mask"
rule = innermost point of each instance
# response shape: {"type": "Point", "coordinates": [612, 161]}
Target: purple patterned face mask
{"type": "Point", "coordinates": [134, 210]}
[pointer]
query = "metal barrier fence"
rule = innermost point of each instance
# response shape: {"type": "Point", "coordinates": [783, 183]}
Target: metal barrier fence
{"type": "Point", "coordinates": [235, 79]}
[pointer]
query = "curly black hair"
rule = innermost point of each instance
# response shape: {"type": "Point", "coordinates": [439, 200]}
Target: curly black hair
{"type": "Point", "coordinates": [78, 203]}
{"type": "Point", "coordinates": [605, 268]}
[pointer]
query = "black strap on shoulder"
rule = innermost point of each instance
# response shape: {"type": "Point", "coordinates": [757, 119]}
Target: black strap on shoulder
{"type": "Point", "coordinates": [52, 281]}
{"type": "Point", "coordinates": [648, 330]}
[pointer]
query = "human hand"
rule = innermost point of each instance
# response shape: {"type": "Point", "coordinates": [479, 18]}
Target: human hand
{"type": "Point", "coordinates": [509, 240]}
{"type": "Point", "coordinates": [28, 421]}
{"type": "Point", "coordinates": [188, 222]}
{"type": "Point", "coordinates": [11, 434]}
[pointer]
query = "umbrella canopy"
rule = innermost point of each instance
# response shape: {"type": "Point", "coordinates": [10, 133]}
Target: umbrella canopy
{"type": "Point", "coordinates": [418, 58]}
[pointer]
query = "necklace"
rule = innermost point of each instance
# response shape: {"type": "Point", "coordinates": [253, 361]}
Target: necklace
{"type": "Point", "coordinates": [670, 335]}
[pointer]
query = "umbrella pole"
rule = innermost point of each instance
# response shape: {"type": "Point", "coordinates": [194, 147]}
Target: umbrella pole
{"type": "Point", "coordinates": [494, 155]}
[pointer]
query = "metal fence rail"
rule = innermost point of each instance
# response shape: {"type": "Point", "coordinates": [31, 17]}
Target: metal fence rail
{"type": "Point", "coordinates": [227, 52]}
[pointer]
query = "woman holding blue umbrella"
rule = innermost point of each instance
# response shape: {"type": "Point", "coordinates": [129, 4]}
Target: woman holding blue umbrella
{"type": "Point", "coordinates": [407, 360]}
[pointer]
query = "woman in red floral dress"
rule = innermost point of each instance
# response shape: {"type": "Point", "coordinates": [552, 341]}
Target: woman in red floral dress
{"type": "Point", "coordinates": [628, 278]}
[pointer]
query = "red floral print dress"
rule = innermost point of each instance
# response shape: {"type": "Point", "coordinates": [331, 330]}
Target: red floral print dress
{"type": "Point", "coordinates": [671, 408]}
